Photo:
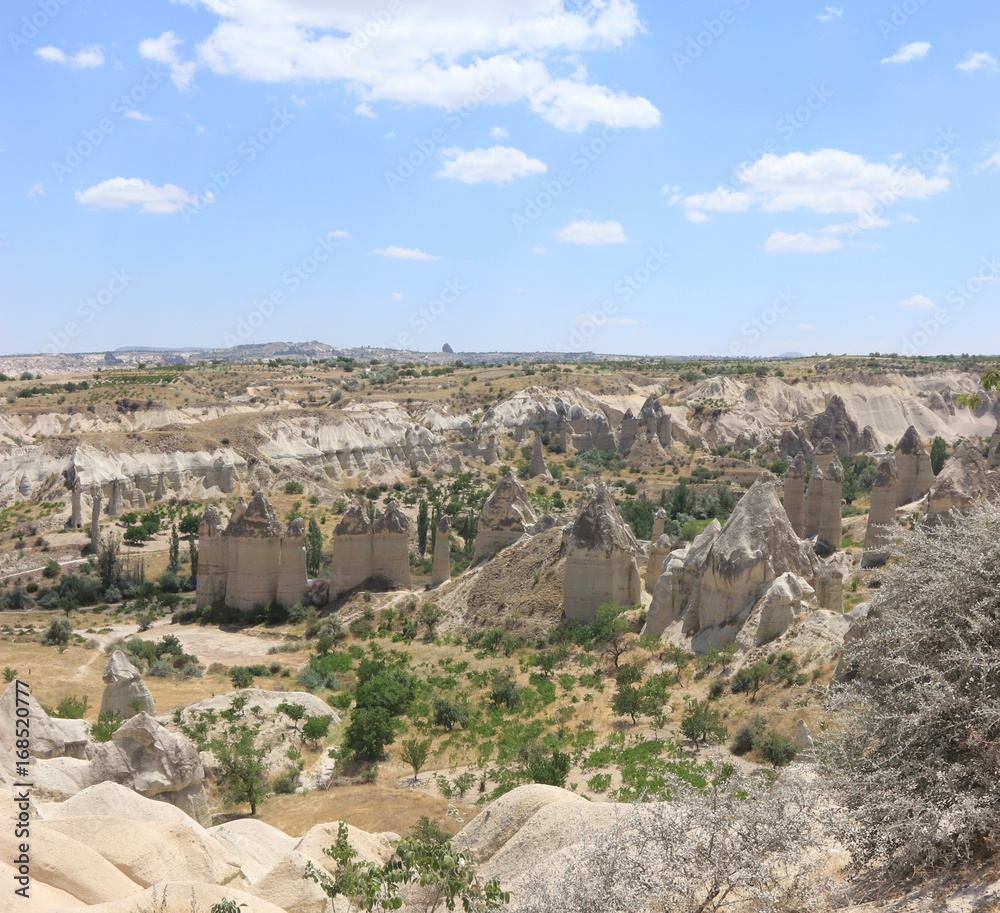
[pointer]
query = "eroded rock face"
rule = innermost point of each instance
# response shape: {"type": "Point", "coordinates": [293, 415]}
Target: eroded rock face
{"type": "Point", "coordinates": [125, 693]}
{"type": "Point", "coordinates": [824, 454]}
{"type": "Point", "coordinates": [830, 514]}
{"type": "Point", "coordinates": [651, 423]}
{"type": "Point", "coordinates": [962, 484]}
{"type": "Point", "coordinates": [600, 555]}
{"type": "Point", "coordinates": [795, 495]}
{"type": "Point", "coordinates": [538, 467]}
{"type": "Point", "coordinates": [781, 604]}
{"type": "Point", "coordinates": [506, 516]}
{"type": "Point", "coordinates": [156, 763]}
{"type": "Point", "coordinates": [48, 737]}
{"type": "Point", "coordinates": [76, 506]}
{"type": "Point", "coordinates": [441, 568]}
{"type": "Point", "coordinates": [253, 555]}
{"type": "Point", "coordinates": [116, 506]}
{"type": "Point", "coordinates": [994, 460]}
{"type": "Point", "coordinates": [835, 423]}
{"type": "Point", "coordinates": [363, 549]}
{"type": "Point", "coordinates": [882, 515]}
{"type": "Point", "coordinates": [913, 468]}
{"type": "Point", "coordinates": [814, 503]}
{"type": "Point", "coordinates": [95, 519]}
{"type": "Point", "coordinates": [677, 580]}
{"type": "Point", "coordinates": [292, 575]}
{"type": "Point", "coordinates": [213, 564]}
{"type": "Point", "coordinates": [390, 549]}
{"type": "Point", "coordinates": [659, 522]}
{"type": "Point", "coordinates": [659, 550]}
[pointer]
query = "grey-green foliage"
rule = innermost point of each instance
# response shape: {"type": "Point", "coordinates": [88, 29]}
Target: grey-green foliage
{"type": "Point", "coordinates": [913, 755]}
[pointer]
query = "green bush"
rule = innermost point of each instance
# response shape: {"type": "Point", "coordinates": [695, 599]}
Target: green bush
{"type": "Point", "coordinates": [51, 569]}
{"type": "Point", "coordinates": [106, 726]}
{"type": "Point", "coordinates": [369, 732]}
{"type": "Point", "coordinates": [71, 708]}
{"type": "Point", "coordinates": [293, 487]}
{"type": "Point", "coordinates": [316, 728]}
{"type": "Point", "coordinates": [503, 689]}
{"type": "Point", "coordinates": [285, 784]}
{"type": "Point", "coordinates": [776, 749]}
{"type": "Point", "coordinates": [59, 632]}
{"type": "Point", "coordinates": [449, 714]}
{"type": "Point", "coordinates": [241, 677]}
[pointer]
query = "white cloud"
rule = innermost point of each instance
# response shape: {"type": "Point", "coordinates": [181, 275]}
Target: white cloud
{"type": "Point", "coordinates": [365, 110]}
{"type": "Point", "coordinates": [992, 161]}
{"type": "Point", "coordinates": [164, 50]}
{"type": "Point", "coordinates": [781, 242]}
{"type": "Point", "coordinates": [604, 320]}
{"type": "Point", "coordinates": [696, 216]}
{"type": "Point", "coordinates": [830, 13]}
{"type": "Point", "coordinates": [539, 251]}
{"type": "Point", "coordinates": [396, 296]}
{"type": "Point", "coordinates": [443, 54]}
{"type": "Point", "coordinates": [404, 253]}
{"type": "Point", "coordinates": [37, 189]}
{"type": "Point", "coordinates": [592, 233]}
{"type": "Point", "coordinates": [338, 233]}
{"type": "Point", "coordinates": [906, 217]}
{"type": "Point", "coordinates": [915, 50]}
{"type": "Point", "coordinates": [133, 114]}
{"type": "Point", "coordinates": [120, 193]}
{"type": "Point", "coordinates": [976, 61]}
{"type": "Point", "coordinates": [499, 133]}
{"type": "Point", "coordinates": [918, 301]}
{"type": "Point", "coordinates": [91, 56]}
{"type": "Point", "coordinates": [496, 165]}
{"type": "Point", "coordinates": [722, 199]}
{"type": "Point", "coordinates": [297, 101]}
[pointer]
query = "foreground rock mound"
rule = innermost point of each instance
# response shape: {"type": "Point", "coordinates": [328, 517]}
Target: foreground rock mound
{"type": "Point", "coordinates": [600, 555]}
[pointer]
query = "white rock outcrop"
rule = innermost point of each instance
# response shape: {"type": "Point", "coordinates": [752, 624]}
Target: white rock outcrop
{"type": "Point", "coordinates": [961, 485]}
{"type": "Point", "coordinates": [600, 553]}
{"type": "Point", "coordinates": [363, 549]}
{"type": "Point", "coordinates": [881, 515]}
{"type": "Point", "coordinates": [441, 567]}
{"type": "Point", "coordinates": [292, 577]}
{"type": "Point", "coordinates": [795, 495]}
{"type": "Point", "coordinates": [253, 555]}
{"type": "Point", "coordinates": [830, 532]}
{"type": "Point", "coordinates": [913, 468]}
{"type": "Point", "coordinates": [538, 467]}
{"type": "Point", "coordinates": [505, 517]}
{"type": "Point", "coordinates": [659, 550]}
{"type": "Point", "coordinates": [213, 560]}
{"type": "Point", "coordinates": [125, 693]}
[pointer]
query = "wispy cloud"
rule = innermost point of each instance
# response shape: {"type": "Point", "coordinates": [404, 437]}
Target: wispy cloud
{"type": "Point", "coordinates": [365, 110]}
{"type": "Point", "coordinates": [164, 50]}
{"type": "Point", "coordinates": [591, 233]}
{"type": "Point", "coordinates": [404, 253]}
{"type": "Point", "coordinates": [496, 165]}
{"type": "Point", "coordinates": [499, 133]}
{"type": "Point", "coordinates": [830, 14]}
{"type": "Point", "coordinates": [915, 50]}
{"type": "Point", "coordinates": [91, 56]}
{"type": "Point", "coordinates": [978, 62]}
{"type": "Point", "coordinates": [133, 114]}
{"type": "Point", "coordinates": [37, 189]}
{"type": "Point", "coordinates": [921, 302]}
{"type": "Point", "coordinates": [121, 193]}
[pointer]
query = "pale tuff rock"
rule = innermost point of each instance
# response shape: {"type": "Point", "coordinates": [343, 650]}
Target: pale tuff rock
{"type": "Point", "coordinates": [782, 604]}
{"type": "Point", "coordinates": [659, 549]}
{"type": "Point", "coordinates": [390, 548]}
{"type": "Point", "coordinates": [913, 467]}
{"type": "Point", "coordinates": [600, 555]}
{"type": "Point", "coordinates": [253, 555]}
{"type": "Point", "coordinates": [95, 519]}
{"type": "Point", "coordinates": [564, 438]}
{"type": "Point", "coordinates": [651, 423]}
{"type": "Point", "coordinates": [803, 738]}
{"type": "Point", "coordinates": [538, 467]}
{"type": "Point", "coordinates": [363, 549]}
{"type": "Point", "coordinates": [213, 566]}
{"type": "Point", "coordinates": [824, 455]}
{"type": "Point", "coordinates": [677, 580]}
{"type": "Point", "coordinates": [835, 423]}
{"type": "Point", "coordinates": [882, 515]}
{"type": "Point", "coordinates": [962, 484]}
{"type": "Point", "coordinates": [224, 475]}
{"type": "Point", "coordinates": [138, 499]}
{"type": "Point", "coordinates": [535, 409]}
{"type": "Point", "coordinates": [659, 521]}
{"type": "Point", "coordinates": [490, 453]}
{"type": "Point", "coordinates": [795, 495]}
{"type": "Point", "coordinates": [258, 846]}
{"type": "Point", "coordinates": [814, 503]}
{"type": "Point", "coordinates": [793, 442]}
{"type": "Point", "coordinates": [995, 448]}
{"type": "Point", "coordinates": [123, 686]}
{"type": "Point", "coordinates": [505, 517]}
{"type": "Point", "coordinates": [112, 800]}
{"type": "Point", "coordinates": [351, 562]}
{"type": "Point", "coordinates": [48, 738]}
{"type": "Point", "coordinates": [161, 487]}
{"type": "Point", "coordinates": [287, 886]}
{"type": "Point", "coordinates": [292, 575]}
{"type": "Point", "coordinates": [441, 568]}
{"type": "Point", "coordinates": [830, 589]}
{"type": "Point", "coordinates": [156, 763]}
{"type": "Point", "coordinates": [830, 513]}
{"type": "Point", "coordinates": [76, 506]}
{"type": "Point", "coordinates": [116, 506]}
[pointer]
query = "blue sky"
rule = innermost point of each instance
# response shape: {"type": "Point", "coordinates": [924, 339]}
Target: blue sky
{"type": "Point", "coordinates": [741, 178]}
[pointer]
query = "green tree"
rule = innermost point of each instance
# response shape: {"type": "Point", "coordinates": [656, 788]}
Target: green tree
{"type": "Point", "coordinates": [174, 561]}
{"type": "Point", "coordinates": [368, 733]}
{"type": "Point", "coordinates": [701, 721]}
{"type": "Point", "coordinates": [316, 728]}
{"type": "Point", "coordinates": [109, 562]}
{"type": "Point", "coordinates": [422, 527]}
{"type": "Point", "coordinates": [294, 711]}
{"type": "Point", "coordinates": [415, 752]}
{"type": "Point", "coordinates": [429, 616]}
{"type": "Point", "coordinates": [59, 632]}
{"type": "Point", "coordinates": [193, 562]}
{"type": "Point", "coordinates": [749, 679]}
{"type": "Point", "coordinates": [939, 453]}
{"type": "Point", "coordinates": [241, 676]}
{"type": "Point", "coordinates": [190, 524]}
{"type": "Point", "coordinates": [609, 630]}
{"type": "Point", "coordinates": [242, 772]}
{"type": "Point", "coordinates": [628, 701]}
{"type": "Point", "coordinates": [134, 535]}
{"type": "Point", "coordinates": [314, 548]}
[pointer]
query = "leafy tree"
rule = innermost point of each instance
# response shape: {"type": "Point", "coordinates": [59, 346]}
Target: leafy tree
{"type": "Point", "coordinates": [109, 563]}
{"type": "Point", "coordinates": [193, 562]}
{"type": "Point", "coordinates": [241, 676]}
{"type": "Point", "coordinates": [242, 772]}
{"type": "Point", "coordinates": [415, 752]}
{"type": "Point", "coordinates": [314, 548]}
{"type": "Point", "coordinates": [368, 733]}
{"type": "Point", "coordinates": [136, 534]}
{"type": "Point", "coordinates": [609, 630]}
{"type": "Point", "coordinates": [912, 750]}
{"type": "Point", "coordinates": [939, 453]}
{"type": "Point", "coordinates": [190, 524]}
{"type": "Point", "coordinates": [503, 689]}
{"type": "Point", "coordinates": [429, 616]}
{"type": "Point", "coordinates": [426, 873]}
{"type": "Point", "coordinates": [422, 523]}
{"type": "Point", "coordinates": [550, 769]}
{"type": "Point", "coordinates": [17, 598]}
{"type": "Point", "coordinates": [701, 721]}
{"type": "Point", "coordinates": [749, 679]}
{"type": "Point", "coordinates": [449, 714]}
{"type": "Point", "coordinates": [316, 728]}
{"type": "Point", "coordinates": [628, 701]}
{"type": "Point", "coordinates": [294, 711]}
{"type": "Point", "coordinates": [51, 569]}
{"type": "Point", "coordinates": [293, 487]}
{"type": "Point", "coordinates": [106, 726]}
{"type": "Point", "coordinates": [59, 632]}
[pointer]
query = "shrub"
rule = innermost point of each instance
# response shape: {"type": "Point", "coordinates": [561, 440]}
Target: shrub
{"type": "Point", "coordinates": [106, 726]}
{"type": "Point", "coordinates": [503, 689]}
{"type": "Point", "coordinates": [776, 749]}
{"type": "Point", "coordinates": [168, 582]}
{"type": "Point", "coordinates": [71, 708]}
{"type": "Point", "coordinates": [58, 633]}
{"type": "Point", "coordinates": [293, 487]}
{"type": "Point", "coordinates": [17, 598]}
{"type": "Point", "coordinates": [701, 722]}
{"type": "Point", "coordinates": [285, 784]}
{"type": "Point", "coordinates": [162, 668]}
{"type": "Point", "coordinates": [368, 733]}
{"type": "Point", "coordinates": [449, 714]}
{"type": "Point", "coordinates": [316, 728]}
{"type": "Point", "coordinates": [51, 569]}
{"type": "Point", "coordinates": [749, 679]}
{"type": "Point", "coordinates": [241, 677]}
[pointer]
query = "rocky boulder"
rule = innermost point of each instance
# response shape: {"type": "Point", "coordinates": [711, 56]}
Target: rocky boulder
{"type": "Point", "coordinates": [48, 737]}
{"type": "Point", "coordinates": [962, 484]}
{"type": "Point", "coordinates": [125, 693]}
{"type": "Point", "coordinates": [505, 517]}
